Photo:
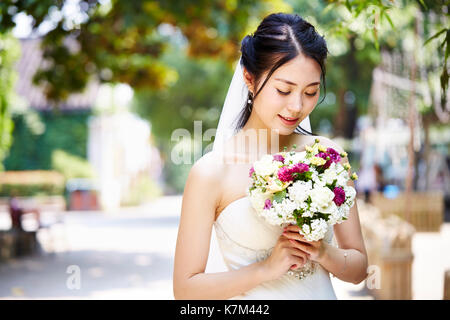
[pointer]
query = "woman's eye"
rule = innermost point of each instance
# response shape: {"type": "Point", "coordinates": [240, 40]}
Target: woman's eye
{"type": "Point", "coordinates": [311, 94]}
{"type": "Point", "coordinates": [283, 93]}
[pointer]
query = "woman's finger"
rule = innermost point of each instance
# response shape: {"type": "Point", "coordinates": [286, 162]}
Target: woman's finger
{"type": "Point", "coordinates": [300, 257]}
{"type": "Point", "coordinates": [301, 246]}
{"type": "Point", "coordinates": [297, 236]}
{"type": "Point", "coordinates": [292, 227]}
{"type": "Point", "coordinates": [299, 252]}
{"type": "Point", "coordinates": [294, 236]}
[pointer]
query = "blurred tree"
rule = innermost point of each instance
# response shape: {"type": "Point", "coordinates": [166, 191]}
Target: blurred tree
{"type": "Point", "coordinates": [356, 32]}
{"type": "Point", "coordinates": [121, 41]}
{"type": "Point", "coordinates": [377, 12]}
{"type": "Point", "coordinates": [9, 53]}
{"type": "Point", "coordinates": [197, 95]}
{"type": "Point", "coordinates": [390, 25]}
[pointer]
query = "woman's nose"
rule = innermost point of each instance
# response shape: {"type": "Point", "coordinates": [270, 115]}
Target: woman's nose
{"type": "Point", "coordinates": [295, 107]}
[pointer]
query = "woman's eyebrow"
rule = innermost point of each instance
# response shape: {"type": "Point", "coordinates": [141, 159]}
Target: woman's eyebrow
{"type": "Point", "coordinates": [294, 84]}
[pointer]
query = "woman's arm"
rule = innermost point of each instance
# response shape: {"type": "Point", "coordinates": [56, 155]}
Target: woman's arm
{"type": "Point", "coordinates": [349, 261]}
{"type": "Point", "coordinates": [199, 204]}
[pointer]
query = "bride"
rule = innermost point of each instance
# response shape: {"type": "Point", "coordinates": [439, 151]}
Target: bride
{"type": "Point", "coordinates": [275, 87]}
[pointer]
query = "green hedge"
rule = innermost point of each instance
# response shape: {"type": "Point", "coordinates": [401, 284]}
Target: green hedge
{"type": "Point", "coordinates": [35, 138]}
{"type": "Point", "coordinates": [28, 190]}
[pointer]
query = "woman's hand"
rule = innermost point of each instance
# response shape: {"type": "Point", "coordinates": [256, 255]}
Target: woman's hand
{"type": "Point", "coordinates": [314, 249]}
{"type": "Point", "coordinates": [284, 256]}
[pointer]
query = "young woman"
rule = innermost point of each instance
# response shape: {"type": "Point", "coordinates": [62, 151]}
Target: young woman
{"type": "Point", "coordinates": [283, 66]}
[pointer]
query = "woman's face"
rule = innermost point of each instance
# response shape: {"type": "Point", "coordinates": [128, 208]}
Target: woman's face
{"type": "Point", "coordinates": [291, 93]}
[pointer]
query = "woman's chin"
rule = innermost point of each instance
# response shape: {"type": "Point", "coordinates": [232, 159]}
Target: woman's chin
{"type": "Point", "coordinates": [285, 131]}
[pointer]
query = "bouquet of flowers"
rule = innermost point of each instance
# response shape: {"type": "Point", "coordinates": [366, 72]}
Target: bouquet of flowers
{"type": "Point", "coordinates": [307, 188]}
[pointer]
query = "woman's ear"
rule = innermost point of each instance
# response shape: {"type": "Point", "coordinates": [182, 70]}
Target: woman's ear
{"type": "Point", "coordinates": [248, 78]}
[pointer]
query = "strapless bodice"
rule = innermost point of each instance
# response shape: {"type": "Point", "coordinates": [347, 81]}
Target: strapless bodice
{"type": "Point", "coordinates": [244, 237]}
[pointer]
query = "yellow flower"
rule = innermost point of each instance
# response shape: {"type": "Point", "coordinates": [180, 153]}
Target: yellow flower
{"type": "Point", "coordinates": [317, 161]}
{"type": "Point", "coordinates": [354, 176]}
{"type": "Point", "coordinates": [347, 166]}
{"type": "Point", "coordinates": [343, 154]}
{"type": "Point", "coordinates": [321, 148]}
{"type": "Point", "coordinates": [314, 149]}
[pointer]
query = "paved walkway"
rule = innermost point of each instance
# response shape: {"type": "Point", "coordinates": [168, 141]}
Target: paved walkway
{"type": "Point", "coordinates": [128, 254]}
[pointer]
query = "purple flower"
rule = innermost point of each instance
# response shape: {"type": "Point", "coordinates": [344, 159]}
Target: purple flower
{"type": "Point", "coordinates": [324, 155]}
{"type": "Point", "coordinates": [251, 172]}
{"type": "Point", "coordinates": [334, 155]}
{"type": "Point", "coordinates": [339, 196]}
{"type": "Point", "coordinates": [267, 204]}
{"type": "Point", "coordinates": [278, 157]}
{"type": "Point", "coordinates": [284, 174]}
{"type": "Point", "coordinates": [299, 168]}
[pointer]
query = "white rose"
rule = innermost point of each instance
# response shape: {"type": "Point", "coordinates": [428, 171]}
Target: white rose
{"type": "Point", "coordinates": [321, 197]}
{"type": "Point", "coordinates": [299, 191]}
{"type": "Point", "coordinates": [265, 166]}
{"type": "Point", "coordinates": [332, 207]}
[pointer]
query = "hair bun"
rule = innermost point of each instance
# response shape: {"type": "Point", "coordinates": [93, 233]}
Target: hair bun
{"type": "Point", "coordinates": [247, 46]}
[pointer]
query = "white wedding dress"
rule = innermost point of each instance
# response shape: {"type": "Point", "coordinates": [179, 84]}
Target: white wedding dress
{"type": "Point", "coordinates": [243, 238]}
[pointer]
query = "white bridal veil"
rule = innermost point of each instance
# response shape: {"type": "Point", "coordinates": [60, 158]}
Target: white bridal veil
{"type": "Point", "coordinates": [234, 102]}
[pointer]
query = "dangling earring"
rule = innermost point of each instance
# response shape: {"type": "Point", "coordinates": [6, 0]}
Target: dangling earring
{"type": "Point", "coordinates": [250, 98]}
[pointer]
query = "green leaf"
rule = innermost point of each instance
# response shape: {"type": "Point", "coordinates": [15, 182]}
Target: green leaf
{"type": "Point", "coordinates": [423, 4]}
{"type": "Point", "coordinates": [435, 36]}
{"type": "Point", "coordinates": [348, 6]}
{"type": "Point", "coordinates": [377, 45]}
{"type": "Point", "coordinates": [390, 21]}
{"type": "Point", "coordinates": [279, 196]}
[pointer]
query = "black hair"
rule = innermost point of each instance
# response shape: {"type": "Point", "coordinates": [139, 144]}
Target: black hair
{"type": "Point", "coordinates": [279, 38]}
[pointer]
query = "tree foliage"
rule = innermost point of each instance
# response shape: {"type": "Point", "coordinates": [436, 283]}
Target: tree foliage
{"type": "Point", "coordinates": [9, 53]}
{"type": "Point", "coordinates": [121, 41]}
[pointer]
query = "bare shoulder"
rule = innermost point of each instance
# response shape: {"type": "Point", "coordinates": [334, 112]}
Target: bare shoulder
{"type": "Point", "coordinates": [207, 168]}
{"type": "Point", "coordinates": [202, 191]}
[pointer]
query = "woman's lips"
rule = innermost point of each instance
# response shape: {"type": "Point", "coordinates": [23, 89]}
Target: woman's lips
{"type": "Point", "coordinates": [288, 121]}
